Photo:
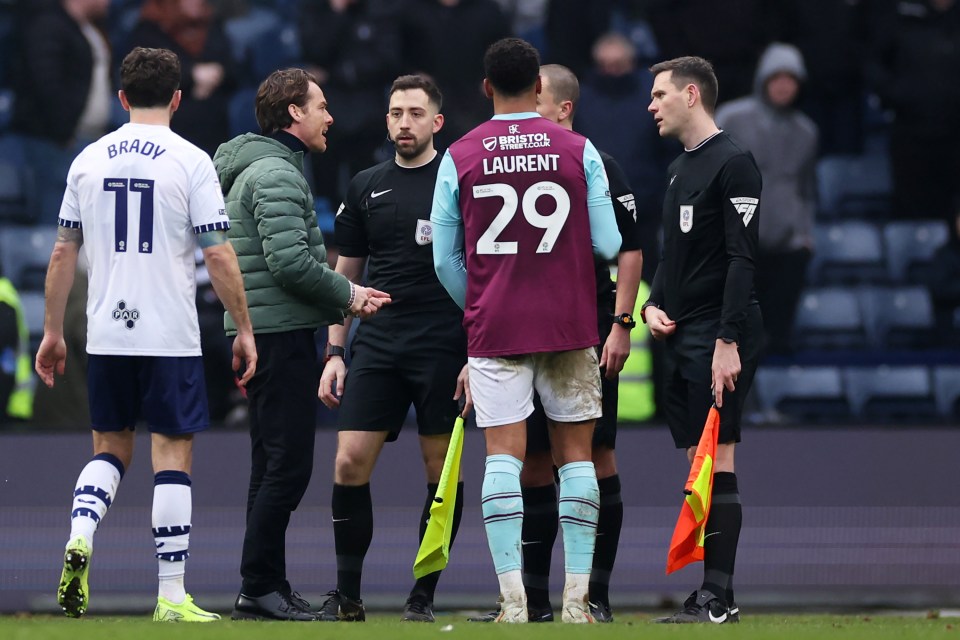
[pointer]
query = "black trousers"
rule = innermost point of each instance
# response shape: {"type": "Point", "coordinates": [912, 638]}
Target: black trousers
{"type": "Point", "coordinates": [283, 416]}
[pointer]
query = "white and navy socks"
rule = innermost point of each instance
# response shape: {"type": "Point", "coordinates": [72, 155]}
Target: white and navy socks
{"type": "Point", "coordinates": [96, 488]}
{"type": "Point", "coordinates": [172, 511]}
{"type": "Point", "coordinates": [579, 508]}
{"type": "Point", "coordinates": [502, 503]}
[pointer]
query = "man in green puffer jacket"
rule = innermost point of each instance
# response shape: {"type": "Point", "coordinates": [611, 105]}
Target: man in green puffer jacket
{"type": "Point", "coordinates": [290, 292]}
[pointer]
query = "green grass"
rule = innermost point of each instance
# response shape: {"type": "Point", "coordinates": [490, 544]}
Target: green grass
{"type": "Point", "coordinates": [452, 626]}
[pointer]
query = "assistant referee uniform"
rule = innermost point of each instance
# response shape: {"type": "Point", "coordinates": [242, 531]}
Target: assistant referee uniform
{"type": "Point", "coordinates": [413, 350]}
{"type": "Point", "coordinates": [705, 281]}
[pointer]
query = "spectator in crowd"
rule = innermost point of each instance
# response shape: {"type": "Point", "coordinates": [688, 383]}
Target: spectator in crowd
{"type": "Point", "coordinates": [783, 141]}
{"type": "Point", "coordinates": [832, 35]}
{"type": "Point", "coordinates": [352, 47]}
{"type": "Point", "coordinates": [190, 29]}
{"type": "Point", "coordinates": [572, 28]}
{"type": "Point", "coordinates": [446, 39]}
{"type": "Point", "coordinates": [944, 284]}
{"type": "Point", "coordinates": [62, 87]}
{"type": "Point", "coordinates": [730, 34]}
{"type": "Point", "coordinates": [918, 45]}
{"type": "Point", "coordinates": [609, 93]}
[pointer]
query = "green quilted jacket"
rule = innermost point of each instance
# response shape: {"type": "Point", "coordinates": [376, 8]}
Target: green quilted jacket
{"type": "Point", "coordinates": [273, 229]}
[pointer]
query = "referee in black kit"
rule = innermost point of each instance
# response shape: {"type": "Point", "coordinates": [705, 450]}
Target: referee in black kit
{"type": "Point", "coordinates": [702, 303]}
{"type": "Point", "coordinates": [415, 354]}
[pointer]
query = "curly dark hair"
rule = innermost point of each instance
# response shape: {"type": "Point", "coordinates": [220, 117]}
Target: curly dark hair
{"type": "Point", "coordinates": [512, 66]}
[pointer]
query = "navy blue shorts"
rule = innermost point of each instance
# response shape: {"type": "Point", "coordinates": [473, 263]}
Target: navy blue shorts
{"type": "Point", "coordinates": [167, 392]}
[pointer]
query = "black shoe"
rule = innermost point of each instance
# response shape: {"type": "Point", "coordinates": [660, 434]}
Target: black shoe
{"type": "Point", "coordinates": [601, 611]}
{"type": "Point", "coordinates": [701, 606]}
{"type": "Point", "coordinates": [490, 616]}
{"type": "Point", "coordinates": [733, 614]}
{"type": "Point", "coordinates": [418, 609]}
{"type": "Point", "coordinates": [534, 614]}
{"type": "Point", "coordinates": [273, 606]}
{"type": "Point", "coordinates": [339, 608]}
{"type": "Point", "coordinates": [539, 614]}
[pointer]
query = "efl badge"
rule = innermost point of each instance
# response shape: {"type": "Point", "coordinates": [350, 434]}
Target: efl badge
{"type": "Point", "coordinates": [686, 217]}
{"type": "Point", "coordinates": [424, 232]}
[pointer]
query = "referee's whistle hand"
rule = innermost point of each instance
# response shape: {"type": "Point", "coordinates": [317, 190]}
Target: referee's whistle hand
{"type": "Point", "coordinates": [659, 323]}
{"type": "Point", "coordinates": [726, 368]}
{"type": "Point", "coordinates": [331, 382]}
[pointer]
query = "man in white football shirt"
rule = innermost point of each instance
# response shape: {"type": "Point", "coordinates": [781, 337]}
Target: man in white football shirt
{"type": "Point", "coordinates": [139, 200]}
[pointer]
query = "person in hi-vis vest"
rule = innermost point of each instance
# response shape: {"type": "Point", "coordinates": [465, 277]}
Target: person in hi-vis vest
{"type": "Point", "coordinates": [635, 402]}
{"type": "Point", "coordinates": [16, 362]}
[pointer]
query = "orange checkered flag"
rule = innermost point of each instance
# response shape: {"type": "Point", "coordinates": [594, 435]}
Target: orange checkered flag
{"type": "Point", "coordinates": [687, 543]}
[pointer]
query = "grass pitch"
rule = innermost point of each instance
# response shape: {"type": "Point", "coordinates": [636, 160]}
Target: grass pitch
{"type": "Point", "coordinates": [452, 626]}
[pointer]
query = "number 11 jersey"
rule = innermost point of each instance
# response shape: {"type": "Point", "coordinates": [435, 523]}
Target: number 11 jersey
{"type": "Point", "coordinates": [140, 195]}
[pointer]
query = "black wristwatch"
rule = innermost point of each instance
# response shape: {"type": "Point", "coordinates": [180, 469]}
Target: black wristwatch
{"type": "Point", "coordinates": [333, 350]}
{"type": "Point", "coordinates": [625, 320]}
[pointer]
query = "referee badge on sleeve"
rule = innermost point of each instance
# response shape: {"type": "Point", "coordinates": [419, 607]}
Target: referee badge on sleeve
{"type": "Point", "coordinates": [424, 232]}
{"type": "Point", "coordinates": [686, 217]}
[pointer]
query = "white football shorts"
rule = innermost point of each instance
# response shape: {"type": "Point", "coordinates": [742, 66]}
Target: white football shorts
{"type": "Point", "coordinates": [568, 383]}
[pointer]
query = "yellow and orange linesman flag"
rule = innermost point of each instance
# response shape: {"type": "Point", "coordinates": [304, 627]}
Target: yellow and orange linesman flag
{"type": "Point", "coordinates": [434, 550]}
{"type": "Point", "coordinates": [687, 543]}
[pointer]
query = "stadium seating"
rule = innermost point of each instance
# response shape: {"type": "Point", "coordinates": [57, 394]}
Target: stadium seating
{"type": "Point", "coordinates": [24, 254]}
{"type": "Point", "coordinates": [898, 317]}
{"type": "Point", "coordinates": [910, 247]}
{"type": "Point", "coordinates": [829, 318]}
{"type": "Point", "coordinates": [847, 252]}
{"type": "Point", "coordinates": [805, 393]}
{"type": "Point", "coordinates": [854, 186]}
{"type": "Point", "coordinates": [946, 389]}
{"type": "Point", "coordinates": [888, 394]}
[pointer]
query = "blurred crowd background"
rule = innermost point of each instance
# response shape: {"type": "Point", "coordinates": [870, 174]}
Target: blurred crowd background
{"type": "Point", "coordinates": [851, 107]}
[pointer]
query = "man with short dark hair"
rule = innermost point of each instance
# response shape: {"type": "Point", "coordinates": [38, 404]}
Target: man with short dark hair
{"type": "Point", "coordinates": [558, 100]}
{"type": "Point", "coordinates": [291, 291]}
{"type": "Point", "coordinates": [413, 352]}
{"type": "Point", "coordinates": [702, 304]}
{"type": "Point", "coordinates": [139, 200]}
{"type": "Point", "coordinates": [522, 204]}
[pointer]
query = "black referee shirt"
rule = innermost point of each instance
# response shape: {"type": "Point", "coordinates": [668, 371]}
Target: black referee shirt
{"type": "Point", "coordinates": [625, 209]}
{"type": "Point", "coordinates": [386, 218]}
{"type": "Point", "coordinates": [710, 235]}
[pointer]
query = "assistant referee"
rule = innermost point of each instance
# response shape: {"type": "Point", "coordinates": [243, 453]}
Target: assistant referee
{"type": "Point", "coordinates": [415, 354]}
{"type": "Point", "coordinates": [702, 303]}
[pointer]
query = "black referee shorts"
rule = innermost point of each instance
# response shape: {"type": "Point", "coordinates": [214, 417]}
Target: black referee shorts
{"type": "Point", "coordinates": [688, 376]}
{"type": "Point", "coordinates": [398, 363]}
{"type": "Point", "coordinates": [605, 432]}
